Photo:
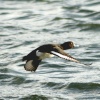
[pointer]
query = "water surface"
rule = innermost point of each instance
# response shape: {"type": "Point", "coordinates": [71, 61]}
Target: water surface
{"type": "Point", "coordinates": [27, 24]}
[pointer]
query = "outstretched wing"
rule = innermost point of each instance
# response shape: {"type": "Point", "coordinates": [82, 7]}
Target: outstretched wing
{"type": "Point", "coordinates": [32, 65]}
{"type": "Point", "coordinates": [65, 56]}
{"type": "Point", "coordinates": [60, 53]}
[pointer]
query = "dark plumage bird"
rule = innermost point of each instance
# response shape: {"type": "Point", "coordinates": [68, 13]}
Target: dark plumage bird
{"type": "Point", "coordinates": [34, 58]}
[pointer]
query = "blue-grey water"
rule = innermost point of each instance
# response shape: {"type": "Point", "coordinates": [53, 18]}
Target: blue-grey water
{"type": "Point", "coordinates": [27, 24]}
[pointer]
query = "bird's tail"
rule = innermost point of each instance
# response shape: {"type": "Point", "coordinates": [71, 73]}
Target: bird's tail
{"type": "Point", "coordinates": [24, 58]}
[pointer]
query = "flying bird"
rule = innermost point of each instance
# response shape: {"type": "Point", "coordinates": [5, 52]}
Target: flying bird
{"type": "Point", "coordinates": [34, 58]}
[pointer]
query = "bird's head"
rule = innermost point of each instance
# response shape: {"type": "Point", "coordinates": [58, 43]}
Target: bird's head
{"type": "Point", "coordinates": [67, 45]}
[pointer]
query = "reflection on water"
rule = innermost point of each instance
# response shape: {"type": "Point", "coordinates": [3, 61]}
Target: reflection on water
{"type": "Point", "coordinates": [27, 24]}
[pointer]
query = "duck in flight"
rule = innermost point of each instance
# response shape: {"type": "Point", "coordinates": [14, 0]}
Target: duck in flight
{"type": "Point", "coordinates": [34, 58]}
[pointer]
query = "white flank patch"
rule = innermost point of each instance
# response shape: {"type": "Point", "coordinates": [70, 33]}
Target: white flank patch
{"type": "Point", "coordinates": [43, 55]}
{"type": "Point", "coordinates": [38, 53]}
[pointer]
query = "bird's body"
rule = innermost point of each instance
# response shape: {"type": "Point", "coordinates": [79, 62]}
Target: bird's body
{"type": "Point", "coordinates": [34, 58]}
{"type": "Point", "coordinates": [44, 55]}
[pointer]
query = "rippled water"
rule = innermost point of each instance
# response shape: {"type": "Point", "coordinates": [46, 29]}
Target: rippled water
{"type": "Point", "coordinates": [27, 24]}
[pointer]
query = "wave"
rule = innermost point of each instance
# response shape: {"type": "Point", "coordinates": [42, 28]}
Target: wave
{"type": "Point", "coordinates": [35, 97]}
{"type": "Point", "coordinates": [84, 86]}
{"type": "Point", "coordinates": [73, 85]}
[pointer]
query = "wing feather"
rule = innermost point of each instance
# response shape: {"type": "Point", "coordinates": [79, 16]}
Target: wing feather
{"type": "Point", "coordinates": [67, 57]}
{"type": "Point", "coordinates": [32, 65]}
{"type": "Point", "coordinates": [60, 53]}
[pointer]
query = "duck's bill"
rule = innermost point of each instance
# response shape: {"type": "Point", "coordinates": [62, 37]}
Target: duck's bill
{"type": "Point", "coordinates": [67, 57]}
